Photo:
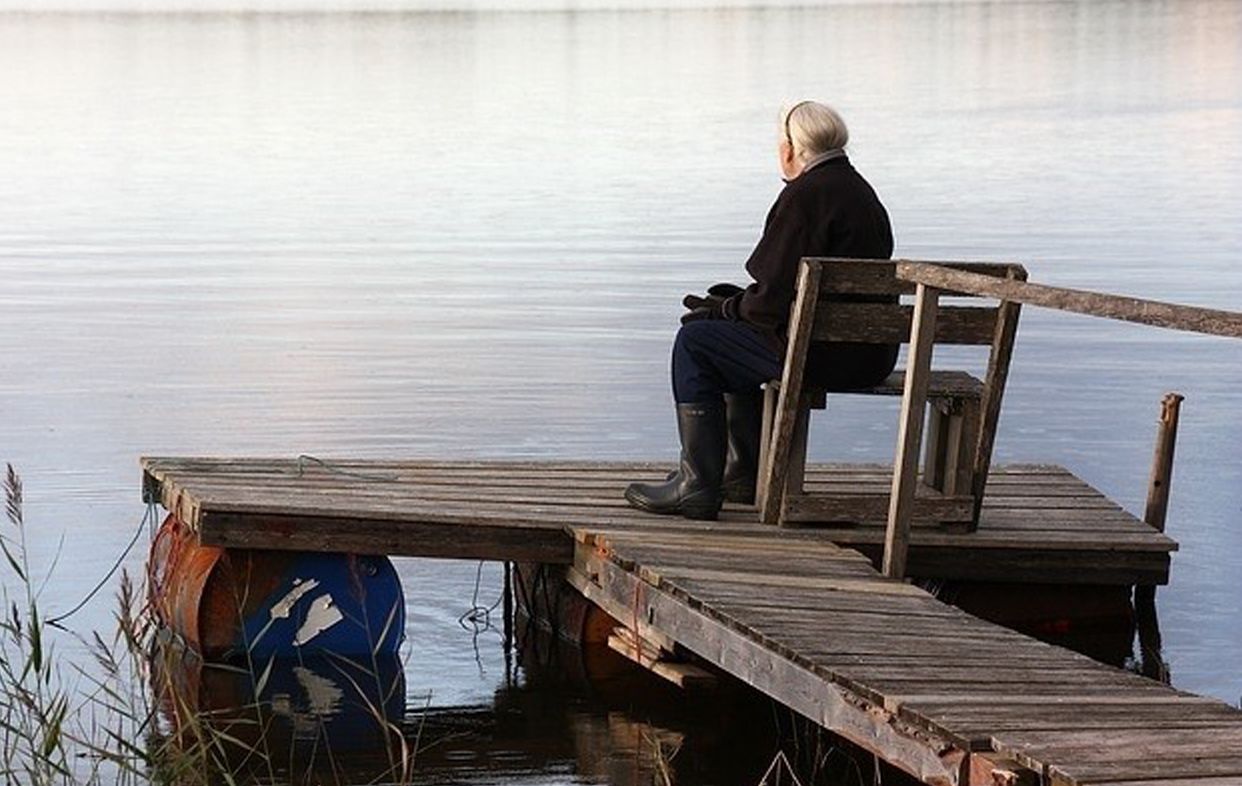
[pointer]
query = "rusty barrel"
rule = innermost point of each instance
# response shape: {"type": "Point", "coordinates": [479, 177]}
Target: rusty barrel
{"type": "Point", "coordinates": [233, 603]}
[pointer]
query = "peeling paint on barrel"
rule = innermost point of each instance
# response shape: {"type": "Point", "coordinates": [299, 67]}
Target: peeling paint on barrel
{"type": "Point", "coordinates": [230, 602]}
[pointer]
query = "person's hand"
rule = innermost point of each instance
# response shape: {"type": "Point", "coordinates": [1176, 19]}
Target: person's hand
{"type": "Point", "coordinates": [715, 306]}
{"type": "Point", "coordinates": [725, 290]}
{"type": "Point", "coordinates": [698, 307]}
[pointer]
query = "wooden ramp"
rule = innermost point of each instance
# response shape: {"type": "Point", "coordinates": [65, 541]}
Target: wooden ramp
{"type": "Point", "coordinates": [943, 695]}
{"type": "Point", "coordinates": [1040, 523]}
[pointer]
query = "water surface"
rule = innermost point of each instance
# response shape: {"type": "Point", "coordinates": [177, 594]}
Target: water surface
{"type": "Point", "coordinates": [466, 235]}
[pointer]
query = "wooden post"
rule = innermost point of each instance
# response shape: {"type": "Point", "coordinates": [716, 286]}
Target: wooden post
{"type": "Point", "coordinates": [1162, 461]}
{"type": "Point", "coordinates": [1151, 660]}
{"type": "Point", "coordinates": [910, 431]}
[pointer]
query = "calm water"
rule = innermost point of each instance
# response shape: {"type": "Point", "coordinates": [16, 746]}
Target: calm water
{"type": "Point", "coordinates": [433, 235]}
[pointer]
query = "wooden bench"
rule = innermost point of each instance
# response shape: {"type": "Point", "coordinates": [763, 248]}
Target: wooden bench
{"type": "Point", "coordinates": [962, 409]}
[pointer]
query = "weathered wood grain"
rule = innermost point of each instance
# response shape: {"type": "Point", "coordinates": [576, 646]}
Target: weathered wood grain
{"type": "Point", "coordinates": [877, 323]}
{"type": "Point", "coordinates": [910, 433]}
{"type": "Point", "coordinates": [1097, 304]}
{"type": "Point", "coordinates": [915, 664]}
{"type": "Point", "coordinates": [788, 402]}
{"type": "Point", "coordinates": [1040, 522]}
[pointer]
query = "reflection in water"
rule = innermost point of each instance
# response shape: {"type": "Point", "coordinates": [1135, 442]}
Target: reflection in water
{"type": "Point", "coordinates": [581, 715]}
{"type": "Point", "coordinates": [1151, 662]}
{"type": "Point", "coordinates": [292, 720]}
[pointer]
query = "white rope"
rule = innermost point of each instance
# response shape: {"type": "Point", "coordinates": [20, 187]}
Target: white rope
{"type": "Point", "coordinates": [777, 770]}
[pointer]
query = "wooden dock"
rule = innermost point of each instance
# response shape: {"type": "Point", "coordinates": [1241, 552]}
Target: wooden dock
{"type": "Point", "coordinates": [800, 614]}
{"type": "Point", "coordinates": [1040, 523]}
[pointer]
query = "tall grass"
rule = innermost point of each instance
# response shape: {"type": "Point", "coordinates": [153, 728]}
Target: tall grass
{"type": "Point", "coordinates": [35, 704]}
{"type": "Point", "coordinates": [133, 716]}
{"type": "Point", "coordinates": [70, 725]}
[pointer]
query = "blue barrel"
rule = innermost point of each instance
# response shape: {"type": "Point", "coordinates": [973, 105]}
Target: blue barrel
{"type": "Point", "coordinates": [230, 603]}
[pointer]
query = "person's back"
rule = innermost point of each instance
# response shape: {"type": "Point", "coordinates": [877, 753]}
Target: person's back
{"type": "Point", "coordinates": [732, 341]}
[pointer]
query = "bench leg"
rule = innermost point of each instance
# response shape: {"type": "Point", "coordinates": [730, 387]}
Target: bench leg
{"type": "Point", "coordinates": [765, 440]}
{"type": "Point", "coordinates": [948, 458]}
{"type": "Point", "coordinates": [797, 454]}
{"type": "Point", "coordinates": [796, 460]}
{"type": "Point", "coordinates": [940, 436]}
{"type": "Point", "coordinates": [960, 471]}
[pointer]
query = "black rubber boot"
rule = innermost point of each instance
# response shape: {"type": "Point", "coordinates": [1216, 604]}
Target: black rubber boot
{"type": "Point", "coordinates": [745, 424]}
{"type": "Point", "coordinates": [694, 490]}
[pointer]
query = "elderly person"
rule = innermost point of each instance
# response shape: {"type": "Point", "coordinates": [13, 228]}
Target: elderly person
{"type": "Point", "coordinates": [733, 340]}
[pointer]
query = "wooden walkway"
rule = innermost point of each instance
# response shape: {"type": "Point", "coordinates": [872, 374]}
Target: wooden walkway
{"type": "Point", "coordinates": [1040, 523]}
{"type": "Point", "coordinates": [943, 695]}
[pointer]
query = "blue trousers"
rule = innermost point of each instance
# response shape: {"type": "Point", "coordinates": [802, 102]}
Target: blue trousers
{"type": "Point", "coordinates": [712, 357]}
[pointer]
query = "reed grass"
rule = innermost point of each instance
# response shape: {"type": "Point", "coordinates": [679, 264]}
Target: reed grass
{"type": "Point", "coordinates": [128, 720]}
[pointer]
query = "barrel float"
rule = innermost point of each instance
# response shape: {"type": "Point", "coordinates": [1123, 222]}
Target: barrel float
{"type": "Point", "coordinates": [230, 603]}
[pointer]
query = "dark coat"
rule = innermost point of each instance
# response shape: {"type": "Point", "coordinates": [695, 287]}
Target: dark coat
{"type": "Point", "coordinates": [827, 211]}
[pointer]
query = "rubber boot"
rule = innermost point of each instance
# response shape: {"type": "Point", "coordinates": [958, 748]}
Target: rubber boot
{"type": "Point", "coordinates": [744, 416]}
{"type": "Point", "coordinates": [694, 490]}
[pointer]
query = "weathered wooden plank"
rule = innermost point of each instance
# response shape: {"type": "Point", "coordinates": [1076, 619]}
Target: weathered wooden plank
{"type": "Point", "coordinates": [788, 402]}
{"type": "Point", "coordinates": [350, 469]}
{"type": "Point", "coordinates": [552, 469]}
{"type": "Point", "coordinates": [1013, 721]}
{"type": "Point", "coordinates": [870, 585]}
{"type": "Point", "coordinates": [1077, 744]}
{"type": "Point", "coordinates": [994, 391]}
{"type": "Point", "coordinates": [1123, 767]}
{"type": "Point", "coordinates": [850, 506]}
{"type": "Point", "coordinates": [1020, 543]}
{"type": "Point", "coordinates": [445, 539]}
{"type": "Point", "coordinates": [1227, 780]}
{"type": "Point", "coordinates": [927, 507]}
{"type": "Point", "coordinates": [943, 383]}
{"type": "Point", "coordinates": [910, 433]}
{"type": "Point", "coordinates": [879, 276]}
{"type": "Point", "coordinates": [879, 323]}
{"type": "Point", "coordinates": [1097, 304]}
{"type": "Point", "coordinates": [1069, 704]}
{"type": "Point", "coordinates": [684, 675]}
{"type": "Point", "coordinates": [592, 484]}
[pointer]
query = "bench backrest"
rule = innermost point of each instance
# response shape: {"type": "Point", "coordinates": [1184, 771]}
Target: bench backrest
{"type": "Point", "coordinates": [859, 299]}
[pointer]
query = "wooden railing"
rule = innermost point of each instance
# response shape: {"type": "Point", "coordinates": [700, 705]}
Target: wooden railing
{"type": "Point", "coordinates": [935, 280]}
{"type": "Point", "coordinates": [1080, 301]}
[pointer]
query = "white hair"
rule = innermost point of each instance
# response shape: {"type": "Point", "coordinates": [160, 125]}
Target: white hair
{"type": "Point", "coordinates": [813, 129]}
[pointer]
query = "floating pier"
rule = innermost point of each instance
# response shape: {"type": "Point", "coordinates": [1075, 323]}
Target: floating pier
{"type": "Point", "coordinates": [804, 614]}
{"type": "Point", "coordinates": [800, 614]}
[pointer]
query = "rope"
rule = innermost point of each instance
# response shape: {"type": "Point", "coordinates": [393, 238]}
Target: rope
{"type": "Point", "coordinates": [148, 517]}
{"type": "Point", "coordinates": [306, 458]}
{"type": "Point", "coordinates": [479, 617]}
{"type": "Point", "coordinates": [776, 771]}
